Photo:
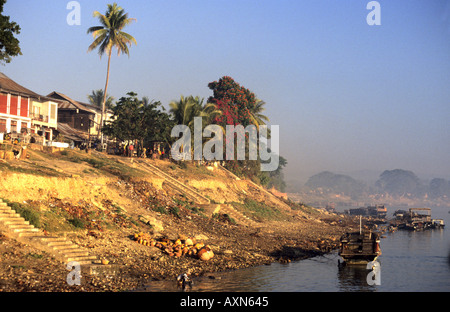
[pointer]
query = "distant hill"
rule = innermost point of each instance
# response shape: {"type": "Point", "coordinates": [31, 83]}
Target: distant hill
{"type": "Point", "coordinates": [397, 183]}
{"type": "Point", "coordinates": [337, 183]}
{"type": "Point", "coordinates": [439, 188]}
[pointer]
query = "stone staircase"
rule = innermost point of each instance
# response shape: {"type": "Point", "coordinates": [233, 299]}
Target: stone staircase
{"type": "Point", "coordinates": [238, 216]}
{"type": "Point", "coordinates": [173, 183]}
{"type": "Point", "coordinates": [194, 195]}
{"type": "Point", "coordinates": [198, 198]}
{"type": "Point", "coordinates": [62, 249]}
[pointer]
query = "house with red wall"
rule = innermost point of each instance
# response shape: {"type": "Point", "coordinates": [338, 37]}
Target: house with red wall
{"type": "Point", "coordinates": [15, 103]}
{"type": "Point", "coordinates": [24, 111]}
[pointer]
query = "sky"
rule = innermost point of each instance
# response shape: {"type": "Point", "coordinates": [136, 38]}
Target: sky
{"type": "Point", "coordinates": [348, 97]}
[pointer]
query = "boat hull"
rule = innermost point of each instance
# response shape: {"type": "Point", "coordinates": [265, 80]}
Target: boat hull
{"type": "Point", "coordinates": [360, 248]}
{"type": "Point", "coordinates": [358, 260]}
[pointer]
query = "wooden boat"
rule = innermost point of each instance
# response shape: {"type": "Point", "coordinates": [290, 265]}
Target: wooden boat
{"type": "Point", "coordinates": [417, 219]}
{"type": "Point", "coordinates": [437, 224]}
{"type": "Point", "coordinates": [360, 247]}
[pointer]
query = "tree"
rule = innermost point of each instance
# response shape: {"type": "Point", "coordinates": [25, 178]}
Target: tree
{"type": "Point", "coordinates": [9, 45]}
{"type": "Point", "coordinates": [256, 116]}
{"type": "Point", "coordinates": [97, 96]}
{"type": "Point", "coordinates": [187, 108]}
{"type": "Point", "coordinates": [276, 178]}
{"type": "Point", "coordinates": [110, 35]}
{"type": "Point", "coordinates": [139, 121]}
{"type": "Point", "coordinates": [239, 106]}
{"type": "Point", "coordinates": [233, 100]}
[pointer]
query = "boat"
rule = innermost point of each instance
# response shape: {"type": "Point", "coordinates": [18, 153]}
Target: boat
{"type": "Point", "coordinates": [360, 247]}
{"type": "Point", "coordinates": [417, 219]}
{"type": "Point", "coordinates": [437, 223]}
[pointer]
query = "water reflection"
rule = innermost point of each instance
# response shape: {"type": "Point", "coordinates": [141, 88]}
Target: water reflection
{"type": "Point", "coordinates": [298, 276]}
{"type": "Point", "coordinates": [354, 278]}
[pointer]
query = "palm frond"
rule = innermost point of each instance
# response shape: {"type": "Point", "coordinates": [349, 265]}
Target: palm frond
{"type": "Point", "coordinates": [94, 29]}
{"type": "Point", "coordinates": [97, 42]}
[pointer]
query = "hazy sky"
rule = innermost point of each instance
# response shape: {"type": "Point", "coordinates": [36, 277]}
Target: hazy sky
{"type": "Point", "coordinates": [347, 96]}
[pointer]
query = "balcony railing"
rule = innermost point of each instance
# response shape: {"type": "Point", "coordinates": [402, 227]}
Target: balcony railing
{"type": "Point", "coordinates": [38, 117]}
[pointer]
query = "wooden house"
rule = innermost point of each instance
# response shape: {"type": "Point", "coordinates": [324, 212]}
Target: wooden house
{"type": "Point", "coordinates": [72, 113]}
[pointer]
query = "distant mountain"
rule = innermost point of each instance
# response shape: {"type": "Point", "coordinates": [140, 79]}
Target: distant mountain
{"type": "Point", "coordinates": [399, 182]}
{"type": "Point", "coordinates": [393, 184]}
{"type": "Point", "coordinates": [337, 183]}
{"type": "Point", "coordinates": [439, 188]}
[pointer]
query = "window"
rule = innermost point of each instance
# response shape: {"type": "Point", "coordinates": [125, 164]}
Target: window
{"type": "Point", "coordinates": [2, 125]}
{"type": "Point", "coordinates": [53, 112]}
{"type": "Point", "coordinates": [13, 105]}
{"type": "Point", "coordinates": [24, 107]}
{"type": "Point", "coordinates": [3, 103]}
{"type": "Point", "coordinates": [13, 126]}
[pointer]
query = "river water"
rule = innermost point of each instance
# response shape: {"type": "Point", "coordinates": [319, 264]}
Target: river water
{"type": "Point", "coordinates": [410, 262]}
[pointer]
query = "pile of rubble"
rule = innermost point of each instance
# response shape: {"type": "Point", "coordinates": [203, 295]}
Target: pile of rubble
{"type": "Point", "coordinates": [177, 248]}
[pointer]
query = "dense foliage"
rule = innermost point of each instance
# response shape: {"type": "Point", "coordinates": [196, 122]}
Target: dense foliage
{"type": "Point", "coordinates": [139, 120]}
{"type": "Point", "coordinates": [9, 44]}
{"type": "Point", "coordinates": [233, 100]}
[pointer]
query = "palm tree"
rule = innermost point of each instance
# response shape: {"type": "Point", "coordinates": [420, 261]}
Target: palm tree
{"type": "Point", "coordinates": [256, 115]}
{"type": "Point", "coordinates": [185, 109]}
{"type": "Point", "coordinates": [110, 35]}
{"type": "Point", "coordinates": [189, 107]}
{"type": "Point", "coordinates": [96, 98]}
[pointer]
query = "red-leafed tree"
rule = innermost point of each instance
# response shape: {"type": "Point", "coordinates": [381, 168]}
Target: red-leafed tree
{"type": "Point", "coordinates": [239, 106]}
{"type": "Point", "coordinates": [235, 102]}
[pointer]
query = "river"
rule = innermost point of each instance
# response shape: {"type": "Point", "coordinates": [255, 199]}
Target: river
{"type": "Point", "coordinates": [410, 262]}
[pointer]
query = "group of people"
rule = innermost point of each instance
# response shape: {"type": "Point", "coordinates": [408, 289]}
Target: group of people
{"type": "Point", "coordinates": [132, 150]}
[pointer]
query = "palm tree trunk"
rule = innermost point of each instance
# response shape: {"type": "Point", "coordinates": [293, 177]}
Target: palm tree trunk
{"type": "Point", "coordinates": [104, 96]}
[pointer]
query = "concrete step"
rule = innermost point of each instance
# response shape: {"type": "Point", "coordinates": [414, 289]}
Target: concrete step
{"type": "Point", "coordinates": [59, 247]}
{"type": "Point", "coordinates": [15, 221]}
{"type": "Point", "coordinates": [20, 226]}
{"type": "Point", "coordinates": [80, 259]}
{"type": "Point", "coordinates": [238, 216]}
{"type": "Point", "coordinates": [6, 208]}
{"type": "Point", "coordinates": [12, 218]}
{"type": "Point", "coordinates": [11, 214]}
{"type": "Point", "coordinates": [174, 183]}
{"type": "Point", "coordinates": [26, 234]}
{"type": "Point", "coordinates": [23, 228]}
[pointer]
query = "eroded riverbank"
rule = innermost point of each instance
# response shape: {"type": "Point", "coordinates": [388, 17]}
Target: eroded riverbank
{"type": "Point", "coordinates": [100, 202]}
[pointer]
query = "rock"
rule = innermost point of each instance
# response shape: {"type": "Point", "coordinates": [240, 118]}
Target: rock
{"type": "Point", "coordinates": [201, 237]}
{"type": "Point", "coordinates": [153, 222]}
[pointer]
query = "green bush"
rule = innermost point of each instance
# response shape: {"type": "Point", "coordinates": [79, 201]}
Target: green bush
{"type": "Point", "coordinates": [27, 212]}
{"type": "Point", "coordinates": [78, 223]}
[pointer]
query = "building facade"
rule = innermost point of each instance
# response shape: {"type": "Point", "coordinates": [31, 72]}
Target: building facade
{"type": "Point", "coordinates": [25, 112]}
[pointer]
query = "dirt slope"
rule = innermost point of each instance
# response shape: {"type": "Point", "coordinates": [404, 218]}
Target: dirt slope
{"type": "Point", "coordinates": [100, 202]}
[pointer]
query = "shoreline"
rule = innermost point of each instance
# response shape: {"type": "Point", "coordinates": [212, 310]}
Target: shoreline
{"type": "Point", "coordinates": [24, 268]}
{"type": "Point", "coordinates": [113, 198]}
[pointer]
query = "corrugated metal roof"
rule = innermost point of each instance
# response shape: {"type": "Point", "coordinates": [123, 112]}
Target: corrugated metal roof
{"type": "Point", "coordinates": [69, 103]}
{"type": "Point", "coordinates": [71, 133]}
{"type": "Point", "coordinates": [9, 85]}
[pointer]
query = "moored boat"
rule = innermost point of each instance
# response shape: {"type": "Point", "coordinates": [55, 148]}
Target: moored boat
{"type": "Point", "coordinates": [360, 247]}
